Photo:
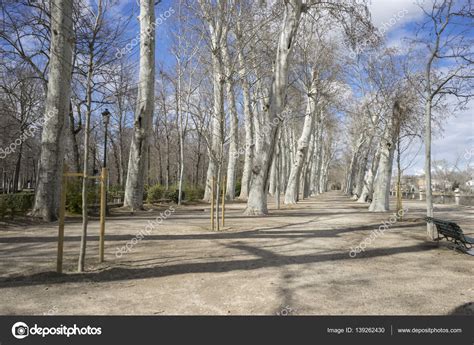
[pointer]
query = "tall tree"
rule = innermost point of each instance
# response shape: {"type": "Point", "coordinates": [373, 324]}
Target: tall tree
{"type": "Point", "coordinates": [56, 111]}
{"type": "Point", "coordinates": [138, 159]}
{"type": "Point", "coordinates": [274, 105]}
{"type": "Point", "coordinates": [448, 68]}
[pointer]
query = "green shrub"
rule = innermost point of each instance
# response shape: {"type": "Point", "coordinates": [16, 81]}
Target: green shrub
{"type": "Point", "coordinates": [155, 193]}
{"type": "Point", "coordinates": [3, 206]}
{"type": "Point", "coordinates": [74, 195]}
{"type": "Point", "coordinates": [238, 187]}
{"type": "Point", "coordinates": [158, 192]}
{"type": "Point", "coordinates": [16, 203]}
{"type": "Point", "coordinates": [173, 195]}
{"type": "Point", "coordinates": [22, 202]}
{"type": "Point", "coordinates": [193, 194]}
{"type": "Point", "coordinates": [116, 192]}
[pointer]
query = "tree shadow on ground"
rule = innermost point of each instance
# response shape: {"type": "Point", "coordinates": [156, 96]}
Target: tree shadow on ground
{"type": "Point", "coordinates": [464, 309]}
{"type": "Point", "coordinates": [265, 259]}
{"type": "Point", "coordinates": [272, 232]}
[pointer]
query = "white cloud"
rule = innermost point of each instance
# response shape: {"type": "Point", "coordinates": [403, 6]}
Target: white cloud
{"type": "Point", "coordinates": [402, 10]}
{"type": "Point", "coordinates": [452, 145]}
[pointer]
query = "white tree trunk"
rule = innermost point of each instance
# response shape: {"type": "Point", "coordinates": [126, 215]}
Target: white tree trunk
{"type": "Point", "coordinates": [307, 169]}
{"type": "Point", "coordinates": [249, 128]}
{"type": "Point", "coordinates": [257, 201]}
{"type": "Point", "coordinates": [367, 189]}
{"type": "Point", "coordinates": [430, 231]}
{"type": "Point", "coordinates": [314, 190]}
{"type": "Point", "coordinates": [324, 171]}
{"type": "Point", "coordinates": [138, 159]}
{"type": "Point", "coordinates": [272, 184]}
{"type": "Point", "coordinates": [234, 128]}
{"type": "Point", "coordinates": [319, 143]}
{"type": "Point", "coordinates": [218, 34]}
{"type": "Point", "coordinates": [291, 195]}
{"type": "Point", "coordinates": [380, 200]}
{"type": "Point", "coordinates": [353, 165]}
{"type": "Point", "coordinates": [361, 171]}
{"type": "Point", "coordinates": [56, 111]}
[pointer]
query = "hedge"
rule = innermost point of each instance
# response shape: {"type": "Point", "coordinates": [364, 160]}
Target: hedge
{"type": "Point", "coordinates": [18, 203]}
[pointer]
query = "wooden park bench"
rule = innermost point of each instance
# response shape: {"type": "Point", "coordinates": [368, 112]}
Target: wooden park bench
{"type": "Point", "coordinates": [453, 233]}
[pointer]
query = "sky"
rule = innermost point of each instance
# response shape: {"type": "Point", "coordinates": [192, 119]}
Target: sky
{"type": "Point", "coordinates": [454, 144]}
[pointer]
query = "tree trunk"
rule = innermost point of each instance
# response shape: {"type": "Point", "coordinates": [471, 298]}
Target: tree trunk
{"type": "Point", "coordinates": [291, 194]}
{"type": "Point", "coordinates": [74, 132]}
{"type": "Point", "coordinates": [380, 201]}
{"type": "Point", "coordinates": [430, 231]}
{"type": "Point", "coordinates": [367, 190]}
{"type": "Point", "coordinates": [257, 200]}
{"type": "Point", "coordinates": [137, 164]}
{"type": "Point", "coordinates": [234, 129]}
{"type": "Point", "coordinates": [85, 171]}
{"type": "Point", "coordinates": [353, 165]}
{"type": "Point", "coordinates": [56, 112]}
{"type": "Point", "coordinates": [362, 170]}
{"type": "Point", "coordinates": [16, 175]}
{"type": "Point", "coordinates": [319, 143]}
{"type": "Point", "coordinates": [249, 130]}
{"type": "Point", "coordinates": [218, 39]}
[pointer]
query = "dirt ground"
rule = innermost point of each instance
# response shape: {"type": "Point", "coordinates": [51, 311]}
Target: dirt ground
{"type": "Point", "coordinates": [294, 261]}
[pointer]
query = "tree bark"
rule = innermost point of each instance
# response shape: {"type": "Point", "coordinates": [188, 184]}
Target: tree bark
{"type": "Point", "coordinates": [137, 164]}
{"type": "Point", "coordinates": [291, 194]}
{"type": "Point", "coordinates": [56, 111]}
{"type": "Point", "coordinates": [249, 130]}
{"type": "Point", "coordinates": [257, 200]}
{"type": "Point", "coordinates": [367, 190]}
{"type": "Point", "coordinates": [380, 201]}
{"type": "Point", "coordinates": [218, 32]}
{"type": "Point", "coordinates": [234, 128]}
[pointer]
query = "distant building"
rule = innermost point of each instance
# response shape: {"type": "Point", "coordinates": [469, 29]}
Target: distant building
{"type": "Point", "coordinates": [470, 185]}
{"type": "Point", "coordinates": [415, 184]}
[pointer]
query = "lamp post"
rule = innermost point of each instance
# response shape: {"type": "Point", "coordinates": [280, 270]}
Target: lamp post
{"type": "Point", "coordinates": [105, 120]}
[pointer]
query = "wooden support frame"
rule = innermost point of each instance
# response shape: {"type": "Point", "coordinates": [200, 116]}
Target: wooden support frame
{"type": "Point", "coordinates": [223, 200]}
{"type": "Point", "coordinates": [103, 206]}
{"type": "Point", "coordinates": [62, 213]}
{"type": "Point", "coordinates": [212, 203]}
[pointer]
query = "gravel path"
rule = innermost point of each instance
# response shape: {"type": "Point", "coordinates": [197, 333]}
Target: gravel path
{"type": "Point", "coordinates": [294, 261]}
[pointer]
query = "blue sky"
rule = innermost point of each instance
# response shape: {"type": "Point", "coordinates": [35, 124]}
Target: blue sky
{"type": "Point", "coordinates": [456, 139]}
{"type": "Point", "coordinates": [397, 17]}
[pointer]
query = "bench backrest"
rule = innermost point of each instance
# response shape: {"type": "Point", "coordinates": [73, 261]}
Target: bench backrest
{"type": "Point", "coordinates": [447, 228]}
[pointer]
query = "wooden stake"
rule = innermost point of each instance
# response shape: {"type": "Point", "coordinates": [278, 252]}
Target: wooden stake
{"type": "Point", "coordinates": [103, 206]}
{"type": "Point", "coordinates": [212, 203]}
{"type": "Point", "coordinates": [62, 213]}
{"type": "Point", "coordinates": [223, 200]}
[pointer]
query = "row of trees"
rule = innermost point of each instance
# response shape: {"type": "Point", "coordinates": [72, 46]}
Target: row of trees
{"type": "Point", "coordinates": [268, 96]}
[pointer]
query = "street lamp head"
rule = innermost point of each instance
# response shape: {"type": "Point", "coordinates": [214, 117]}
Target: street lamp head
{"type": "Point", "coordinates": [106, 117]}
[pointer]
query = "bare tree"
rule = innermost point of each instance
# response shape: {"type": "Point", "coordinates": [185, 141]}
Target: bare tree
{"type": "Point", "coordinates": [56, 110]}
{"type": "Point", "coordinates": [448, 68]}
{"type": "Point", "coordinates": [138, 160]}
